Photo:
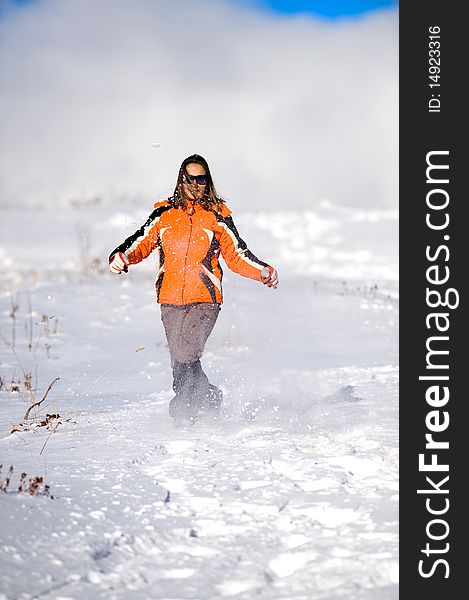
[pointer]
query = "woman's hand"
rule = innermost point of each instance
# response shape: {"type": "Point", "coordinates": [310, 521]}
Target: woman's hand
{"type": "Point", "coordinates": [269, 277]}
{"type": "Point", "coordinates": [119, 263]}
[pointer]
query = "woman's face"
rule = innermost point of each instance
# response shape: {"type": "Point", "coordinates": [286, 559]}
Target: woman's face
{"type": "Point", "coordinates": [192, 189]}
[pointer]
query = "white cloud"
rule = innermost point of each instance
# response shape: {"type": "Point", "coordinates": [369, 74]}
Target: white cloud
{"type": "Point", "coordinates": [285, 110]}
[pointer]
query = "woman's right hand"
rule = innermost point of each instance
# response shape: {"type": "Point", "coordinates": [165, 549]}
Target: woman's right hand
{"type": "Point", "coordinates": [119, 263]}
{"type": "Point", "coordinates": [269, 277]}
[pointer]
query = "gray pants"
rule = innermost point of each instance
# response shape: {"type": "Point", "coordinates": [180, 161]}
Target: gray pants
{"type": "Point", "coordinates": [187, 330]}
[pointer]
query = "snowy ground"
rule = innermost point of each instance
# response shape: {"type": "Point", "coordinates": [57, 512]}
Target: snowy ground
{"type": "Point", "coordinates": [292, 493]}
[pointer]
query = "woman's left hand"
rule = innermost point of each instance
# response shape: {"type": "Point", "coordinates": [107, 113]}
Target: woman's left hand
{"type": "Point", "coordinates": [269, 277]}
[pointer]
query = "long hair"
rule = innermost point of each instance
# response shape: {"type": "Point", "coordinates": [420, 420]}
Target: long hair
{"type": "Point", "coordinates": [210, 199]}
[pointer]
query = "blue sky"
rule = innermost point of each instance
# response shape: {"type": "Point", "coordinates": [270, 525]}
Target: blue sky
{"type": "Point", "coordinates": [325, 8]}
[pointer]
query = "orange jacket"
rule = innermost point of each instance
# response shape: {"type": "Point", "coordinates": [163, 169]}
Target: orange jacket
{"type": "Point", "coordinates": [188, 249]}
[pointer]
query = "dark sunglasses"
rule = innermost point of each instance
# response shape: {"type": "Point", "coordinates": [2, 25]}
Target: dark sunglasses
{"type": "Point", "coordinates": [200, 179]}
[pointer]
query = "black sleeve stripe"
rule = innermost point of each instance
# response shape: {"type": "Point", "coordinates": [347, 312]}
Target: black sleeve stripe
{"type": "Point", "coordinates": [140, 233]}
{"type": "Point", "coordinates": [230, 223]}
{"type": "Point", "coordinates": [242, 246]}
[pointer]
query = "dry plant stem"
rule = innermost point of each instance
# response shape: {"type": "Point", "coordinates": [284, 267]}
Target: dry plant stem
{"type": "Point", "coordinates": [111, 423]}
{"type": "Point", "coordinates": [20, 487]}
{"type": "Point", "coordinates": [14, 308]}
{"type": "Point", "coordinates": [16, 356]}
{"type": "Point", "coordinates": [6, 482]}
{"type": "Point", "coordinates": [30, 328]}
{"type": "Point", "coordinates": [48, 437]}
{"type": "Point", "coordinates": [26, 414]}
{"type": "Point", "coordinates": [13, 383]}
{"type": "Point", "coordinates": [36, 349]}
{"type": "Point", "coordinates": [27, 382]}
{"type": "Point", "coordinates": [32, 487]}
{"type": "Point", "coordinates": [35, 387]}
{"type": "Point", "coordinates": [23, 441]}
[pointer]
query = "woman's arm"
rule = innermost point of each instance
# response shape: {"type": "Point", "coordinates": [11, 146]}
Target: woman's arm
{"type": "Point", "coordinates": [142, 243]}
{"type": "Point", "coordinates": [234, 250]}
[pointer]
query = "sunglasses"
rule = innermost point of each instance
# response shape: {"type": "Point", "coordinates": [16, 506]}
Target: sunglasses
{"type": "Point", "coordinates": [199, 179]}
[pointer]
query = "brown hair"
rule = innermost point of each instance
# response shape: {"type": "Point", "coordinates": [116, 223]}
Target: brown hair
{"type": "Point", "coordinates": [210, 200]}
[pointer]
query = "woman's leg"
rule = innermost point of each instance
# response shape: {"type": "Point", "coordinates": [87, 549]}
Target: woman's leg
{"type": "Point", "coordinates": [187, 330]}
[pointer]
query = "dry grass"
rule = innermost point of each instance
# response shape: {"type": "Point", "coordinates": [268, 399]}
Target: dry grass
{"type": "Point", "coordinates": [25, 383]}
{"type": "Point", "coordinates": [34, 486]}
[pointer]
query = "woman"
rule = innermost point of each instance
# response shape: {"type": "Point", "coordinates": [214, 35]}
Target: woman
{"type": "Point", "coordinates": [189, 230]}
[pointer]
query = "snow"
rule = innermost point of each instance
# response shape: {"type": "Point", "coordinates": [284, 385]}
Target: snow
{"type": "Point", "coordinates": [291, 493]}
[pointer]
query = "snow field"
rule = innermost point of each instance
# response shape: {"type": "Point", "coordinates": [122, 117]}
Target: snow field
{"type": "Point", "coordinates": [291, 493]}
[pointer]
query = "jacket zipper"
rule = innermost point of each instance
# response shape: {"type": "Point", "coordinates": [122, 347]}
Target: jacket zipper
{"type": "Point", "coordinates": [185, 260]}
